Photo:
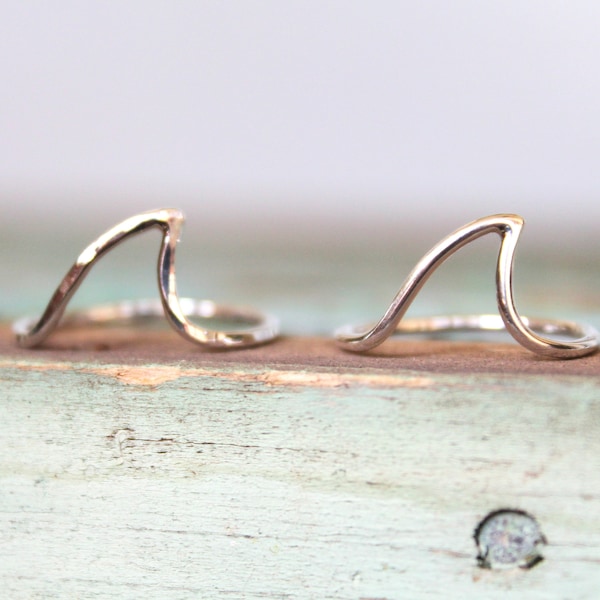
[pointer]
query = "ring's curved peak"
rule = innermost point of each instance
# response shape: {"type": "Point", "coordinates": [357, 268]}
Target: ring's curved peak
{"type": "Point", "coordinates": [509, 227]}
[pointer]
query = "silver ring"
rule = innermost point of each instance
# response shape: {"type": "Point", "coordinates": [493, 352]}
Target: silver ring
{"type": "Point", "coordinates": [581, 339]}
{"type": "Point", "coordinates": [251, 327]}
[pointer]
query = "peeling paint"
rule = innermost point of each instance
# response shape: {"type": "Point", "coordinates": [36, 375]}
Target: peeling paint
{"type": "Point", "coordinates": [153, 375]}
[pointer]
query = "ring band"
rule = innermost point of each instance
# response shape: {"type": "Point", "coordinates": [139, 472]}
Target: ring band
{"type": "Point", "coordinates": [530, 333]}
{"type": "Point", "coordinates": [265, 326]}
{"type": "Point", "coordinates": [251, 327]}
{"type": "Point", "coordinates": [482, 322]}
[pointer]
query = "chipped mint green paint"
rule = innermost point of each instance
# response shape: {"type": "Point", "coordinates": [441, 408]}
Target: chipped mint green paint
{"type": "Point", "coordinates": [214, 486]}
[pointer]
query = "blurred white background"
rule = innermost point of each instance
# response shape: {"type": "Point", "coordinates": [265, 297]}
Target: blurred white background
{"type": "Point", "coordinates": [302, 112]}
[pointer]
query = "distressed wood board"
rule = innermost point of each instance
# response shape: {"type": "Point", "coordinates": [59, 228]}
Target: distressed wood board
{"type": "Point", "coordinates": [136, 465]}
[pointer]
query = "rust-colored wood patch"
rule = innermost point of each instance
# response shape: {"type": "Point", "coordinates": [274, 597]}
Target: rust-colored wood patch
{"type": "Point", "coordinates": [129, 346]}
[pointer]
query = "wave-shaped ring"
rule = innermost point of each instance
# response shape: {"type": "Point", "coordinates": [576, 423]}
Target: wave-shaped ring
{"type": "Point", "coordinates": [257, 327]}
{"type": "Point", "coordinates": [582, 338]}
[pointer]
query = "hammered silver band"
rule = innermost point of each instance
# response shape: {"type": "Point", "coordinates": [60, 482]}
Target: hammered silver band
{"type": "Point", "coordinates": [251, 327]}
{"type": "Point", "coordinates": [576, 339]}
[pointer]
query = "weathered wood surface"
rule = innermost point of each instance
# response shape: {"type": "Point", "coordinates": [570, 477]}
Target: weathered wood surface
{"type": "Point", "coordinates": [143, 467]}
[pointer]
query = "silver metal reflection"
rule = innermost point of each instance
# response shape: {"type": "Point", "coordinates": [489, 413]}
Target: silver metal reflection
{"type": "Point", "coordinates": [530, 333]}
{"type": "Point", "coordinates": [256, 328]}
